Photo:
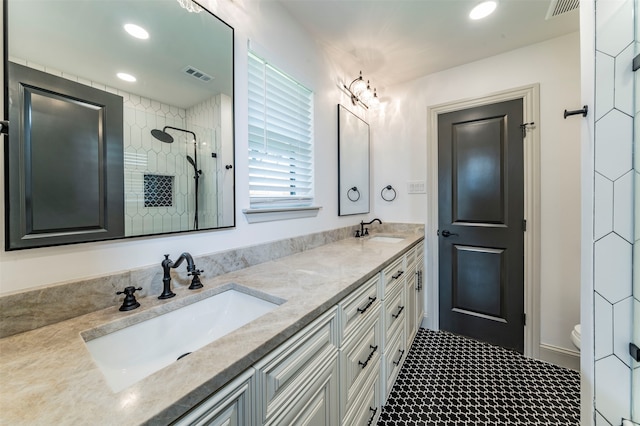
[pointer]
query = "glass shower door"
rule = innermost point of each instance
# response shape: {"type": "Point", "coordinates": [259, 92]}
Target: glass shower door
{"type": "Point", "coordinates": [635, 317]}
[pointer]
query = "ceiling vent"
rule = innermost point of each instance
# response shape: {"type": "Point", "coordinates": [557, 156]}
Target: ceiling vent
{"type": "Point", "coordinates": [196, 73]}
{"type": "Point", "coordinates": [558, 7]}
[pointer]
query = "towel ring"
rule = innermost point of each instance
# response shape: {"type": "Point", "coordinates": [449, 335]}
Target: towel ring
{"type": "Point", "coordinates": [388, 188]}
{"type": "Point", "coordinates": [356, 197]}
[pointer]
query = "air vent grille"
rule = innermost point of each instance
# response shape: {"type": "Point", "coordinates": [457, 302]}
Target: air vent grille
{"type": "Point", "coordinates": [558, 7]}
{"type": "Point", "coordinates": [196, 73]}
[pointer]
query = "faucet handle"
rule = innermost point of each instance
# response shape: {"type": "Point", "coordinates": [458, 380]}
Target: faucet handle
{"type": "Point", "coordinates": [129, 301]}
{"type": "Point", "coordinates": [366, 231]}
{"type": "Point", "coordinates": [195, 282]}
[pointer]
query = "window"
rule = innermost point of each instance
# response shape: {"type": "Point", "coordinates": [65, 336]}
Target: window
{"type": "Point", "coordinates": [280, 138]}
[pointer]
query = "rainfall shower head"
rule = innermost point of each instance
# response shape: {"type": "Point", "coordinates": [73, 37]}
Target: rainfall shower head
{"type": "Point", "coordinates": [165, 137]}
{"type": "Point", "coordinates": [162, 136]}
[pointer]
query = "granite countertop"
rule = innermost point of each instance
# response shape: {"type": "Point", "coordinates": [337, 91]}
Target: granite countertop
{"type": "Point", "coordinates": [48, 376]}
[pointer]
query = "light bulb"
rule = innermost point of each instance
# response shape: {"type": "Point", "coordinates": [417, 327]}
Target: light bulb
{"type": "Point", "coordinates": [483, 10]}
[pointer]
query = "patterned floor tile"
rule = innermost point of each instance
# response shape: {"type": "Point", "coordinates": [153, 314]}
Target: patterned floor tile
{"type": "Point", "coordinates": [452, 380]}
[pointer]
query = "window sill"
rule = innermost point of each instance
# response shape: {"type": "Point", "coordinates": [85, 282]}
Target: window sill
{"type": "Point", "coordinates": [282, 213]}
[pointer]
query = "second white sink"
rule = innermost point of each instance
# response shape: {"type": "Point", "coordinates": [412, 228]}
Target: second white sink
{"type": "Point", "coordinates": [135, 352]}
{"type": "Point", "coordinates": [386, 239]}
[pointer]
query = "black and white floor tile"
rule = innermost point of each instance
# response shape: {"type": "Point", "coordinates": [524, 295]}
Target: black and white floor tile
{"type": "Point", "coordinates": [451, 380]}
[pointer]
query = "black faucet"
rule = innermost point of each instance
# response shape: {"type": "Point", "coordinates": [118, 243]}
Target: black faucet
{"type": "Point", "coordinates": [363, 232]}
{"type": "Point", "coordinates": [167, 264]}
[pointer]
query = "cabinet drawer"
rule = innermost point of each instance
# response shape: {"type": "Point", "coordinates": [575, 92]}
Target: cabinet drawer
{"type": "Point", "coordinates": [282, 375]}
{"type": "Point", "coordinates": [357, 307]}
{"type": "Point", "coordinates": [393, 358]}
{"type": "Point", "coordinates": [392, 276]}
{"type": "Point", "coordinates": [359, 358]}
{"type": "Point", "coordinates": [366, 408]}
{"type": "Point", "coordinates": [394, 312]}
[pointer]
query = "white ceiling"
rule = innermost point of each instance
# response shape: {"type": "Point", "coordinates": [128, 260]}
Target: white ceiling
{"type": "Point", "coordinates": [394, 41]}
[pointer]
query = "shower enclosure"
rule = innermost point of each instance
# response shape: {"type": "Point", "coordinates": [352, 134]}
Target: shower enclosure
{"type": "Point", "coordinates": [635, 315]}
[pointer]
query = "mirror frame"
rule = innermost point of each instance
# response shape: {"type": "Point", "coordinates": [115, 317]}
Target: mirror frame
{"type": "Point", "coordinates": [351, 145]}
{"type": "Point", "coordinates": [93, 237]}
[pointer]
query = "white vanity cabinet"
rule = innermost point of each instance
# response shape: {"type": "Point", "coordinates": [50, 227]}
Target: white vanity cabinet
{"type": "Point", "coordinates": [339, 369]}
{"type": "Point", "coordinates": [230, 406]}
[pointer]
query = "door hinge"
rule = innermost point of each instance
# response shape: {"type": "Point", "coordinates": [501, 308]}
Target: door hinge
{"type": "Point", "coordinates": [524, 225]}
{"type": "Point", "coordinates": [524, 319]}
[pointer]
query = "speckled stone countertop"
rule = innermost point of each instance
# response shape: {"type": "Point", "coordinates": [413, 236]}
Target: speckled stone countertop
{"type": "Point", "coordinates": [47, 375]}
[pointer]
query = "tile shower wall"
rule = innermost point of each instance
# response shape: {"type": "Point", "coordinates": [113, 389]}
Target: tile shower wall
{"type": "Point", "coordinates": [613, 203]}
{"type": "Point", "coordinates": [145, 155]}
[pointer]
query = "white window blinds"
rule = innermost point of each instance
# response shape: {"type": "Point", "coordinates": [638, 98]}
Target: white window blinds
{"type": "Point", "coordinates": [280, 138]}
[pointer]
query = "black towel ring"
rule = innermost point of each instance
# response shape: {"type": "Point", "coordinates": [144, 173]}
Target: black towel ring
{"type": "Point", "coordinates": [388, 188]}
{"type": "Point", "coordinates": [354, 189]}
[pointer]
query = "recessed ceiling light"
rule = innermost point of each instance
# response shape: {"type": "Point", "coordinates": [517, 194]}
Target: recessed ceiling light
{"type": "Point", "coordinates": [483, 10]}
{"type": "Point", "coordinates": [136, 31]}
{"type": "Point", "coordinates": [126, 77]}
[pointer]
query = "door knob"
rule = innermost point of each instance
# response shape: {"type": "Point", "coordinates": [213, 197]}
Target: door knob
{"type": "Point", "coordinates": [446, 233]}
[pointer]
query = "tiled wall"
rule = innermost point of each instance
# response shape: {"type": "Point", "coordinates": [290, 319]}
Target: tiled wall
{"type": "Point", "coordinates": [146, 155]}
{"type": "Point", "coordinates": [613, 216]}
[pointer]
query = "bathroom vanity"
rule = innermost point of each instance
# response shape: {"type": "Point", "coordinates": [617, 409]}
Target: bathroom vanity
{"type": "Point", "coordinates": [346, 314]}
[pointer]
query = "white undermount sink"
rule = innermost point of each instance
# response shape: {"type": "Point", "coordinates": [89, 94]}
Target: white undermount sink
{"type": "Point", "coordinates": [137, 351]}
{"type": "Point", "coordinates": [386, 239]}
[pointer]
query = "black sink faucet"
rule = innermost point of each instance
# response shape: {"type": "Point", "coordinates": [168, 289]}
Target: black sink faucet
{"type": "Point", "coordinates": [167, 264]}
{"type": "Point", "coordinates": [365, 231]}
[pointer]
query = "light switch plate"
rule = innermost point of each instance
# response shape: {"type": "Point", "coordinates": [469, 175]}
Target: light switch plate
{"type": "Point", "coordinates": [416, 187]}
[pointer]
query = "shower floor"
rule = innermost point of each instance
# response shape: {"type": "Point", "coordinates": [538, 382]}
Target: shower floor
{"type": "Point", "coordinates": [452, 380]}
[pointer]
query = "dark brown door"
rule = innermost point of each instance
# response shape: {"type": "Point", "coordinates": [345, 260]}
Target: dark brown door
{"type": "Point", "coordinates": [480, 223]}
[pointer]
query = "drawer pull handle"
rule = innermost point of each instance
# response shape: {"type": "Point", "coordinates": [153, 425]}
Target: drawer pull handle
{"type": "Point", "coordinates": [401, 308]}
{"type": "Point", "coordinates": [373, 415]}
{"type": "Point", "coordinates": [397, 363]}
{"type": "Point", "coordinates": [374, 349]}
{"type": "Point", "coordinates": [396, 276]}
{"type": "Point", "coordinates": [419, 283]}
{"type": "Point", "coordinates": [371, 300]}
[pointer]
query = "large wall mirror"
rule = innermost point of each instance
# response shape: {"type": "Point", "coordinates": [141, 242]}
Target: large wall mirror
{"type": "Point", "coordinates": [353, 163]}
{"type": "Point", "coordinates": [94, 156]}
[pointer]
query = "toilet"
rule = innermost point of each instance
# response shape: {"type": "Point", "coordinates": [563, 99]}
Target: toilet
{"type": "Point", "coordinates": [575, 336]}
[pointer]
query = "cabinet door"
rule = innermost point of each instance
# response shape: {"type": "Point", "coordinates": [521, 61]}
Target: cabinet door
{"type": "Point", "coordinates": [230, 406]}
{"type": "Point", "coordinates": [283, 376]}
{"type": "Point", "coordinates": [419, 291]}
{"type": "Point", "coordinates": [412, 304]}
{"type": "Point", "coordinates": [319, 400]}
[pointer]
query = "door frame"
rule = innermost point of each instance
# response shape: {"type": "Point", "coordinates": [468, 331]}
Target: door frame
{"type": "Point", "coordinates": [530, 96]}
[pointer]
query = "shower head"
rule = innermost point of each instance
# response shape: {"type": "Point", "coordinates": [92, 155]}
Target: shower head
{"type": "Point", "coordinates": [162, 136]}
{"type": "Point", "coordinates": [165, 137]}
{"type": "Point", "coordinates": [190, 160]}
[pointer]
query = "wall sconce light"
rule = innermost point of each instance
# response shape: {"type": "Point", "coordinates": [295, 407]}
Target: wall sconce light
{"type": "Point", "coordinates": [361, 93]}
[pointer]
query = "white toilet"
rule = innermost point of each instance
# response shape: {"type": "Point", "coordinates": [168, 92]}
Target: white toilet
{"type": "Point", "coordinates": [575, 336]}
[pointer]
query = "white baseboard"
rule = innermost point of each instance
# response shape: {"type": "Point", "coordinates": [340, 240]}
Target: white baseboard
{"type": "Point", "coordinates": [560, 356]}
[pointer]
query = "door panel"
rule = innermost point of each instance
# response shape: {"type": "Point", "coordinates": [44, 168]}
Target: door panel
{"type": "Point", "coordinates": [481, 209]}
{"type": "Point", "coordinates": [478, 175]}
{"type": "Point", "coordinates": [478, 283]}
